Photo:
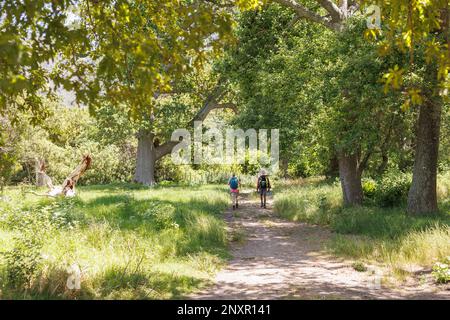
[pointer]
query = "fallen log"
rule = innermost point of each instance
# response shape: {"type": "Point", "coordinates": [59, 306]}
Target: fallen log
{"type": "Point", "coordinates": [68, 186]}
{"type": "Point", "coordinates": [67, 189]}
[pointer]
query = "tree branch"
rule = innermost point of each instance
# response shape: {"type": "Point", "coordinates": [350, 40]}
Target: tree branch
{"type": "Point", "coordinates": [363, 163]}
{"type": "Point", "coordinates": [332, 8]}
{"type": "Point", "coordinates": [209, 105]}
{"type": "Point", "coordinates": [304, 12]}
{"type": "Point", "coordinates": [164, 149]}
{"type": "Point", "coordinates": [207, 108]}
{"type": "Point", "coordinates": [344, 8]}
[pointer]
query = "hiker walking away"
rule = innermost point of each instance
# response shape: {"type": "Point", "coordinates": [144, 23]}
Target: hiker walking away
{"type": "Point", "coordinates": [234, 184]}
{"type": "Point", "coordinates": [262, 187]}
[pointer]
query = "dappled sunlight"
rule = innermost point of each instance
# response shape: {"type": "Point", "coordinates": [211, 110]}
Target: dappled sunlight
{"type": "Point", "coordinates": [280, 259]}
{"type": "Point", "coordinates": [138, 243]}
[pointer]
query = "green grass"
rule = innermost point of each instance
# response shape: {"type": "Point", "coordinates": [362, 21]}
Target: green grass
{"type": "Point", "coordinates": [130, 242]}
{"type": "Point", "coordinates": [369, 233]}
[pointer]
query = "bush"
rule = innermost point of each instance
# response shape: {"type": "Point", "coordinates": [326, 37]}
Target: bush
{"type": "Point", "coordinates": [22, 262]}
{"type": "Point", "coordinates": [24, 259]}
{"type": "Point", "coordinates": [369, 188]}
{"type": "Point", "coordinates": [441, 271]}
{"type": "Point", "coordinates": [31, 227]}
{"type": "Point", "coordinates": [314, 202]}
{"type": "Point", "coordinates": [393, 189]}
{"type": "Point", "coordinates": [110, 163]}
{"type": "Point", "coordinates": [389, 191]}
{"type": "Point", "coordinates": [59, 214]}
{"type": "Point", "coordinates": [162, 215]}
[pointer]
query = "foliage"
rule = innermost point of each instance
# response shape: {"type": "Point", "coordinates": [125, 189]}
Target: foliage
{"type": "Point", "coordinates": [389, 190]}
{"type": "Point", "coordinates": [411, 27]}
{"type": "Point", "coordinates": [302, 79]}
{"type": "Point", "coordinates": [369, 187]}
{"type": "Point", "coordinates": [94, 58]}
{"type": "Point", "coordinates": [441, 271]}
{"type": "Point", "coordinates": [162, 214]}
{"type": "Point", "coordinates": [24, 259]}
{"type": "Point", "coordinates": [269, 75]}
{"type": "Point", "coordinates": [122, 237]}
{"type": "Point", "coordinates": [11, 135]}
{"type": "Point", "coordinates": [61, 142]}
{"type": "Point", "coordinates": [369, 233]}
{"type": "Point", "coordinates": [359, 266]}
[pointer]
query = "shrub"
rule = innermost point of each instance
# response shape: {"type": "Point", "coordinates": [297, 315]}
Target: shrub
{"type": "Point", "coordinates": [24, 259]}
{"type": "Point", "coordinates": [359, 266]}
{"type": "Point", "coordinates": [311, 203]}
{"type": "Point", "coordinates": [62, 214]}
{"type": "Point", "coordinates": [22, 262]}
{"type": "Point", "coordinates": [369, 188]}
{"type": "Point", "coordinates": [162, 215]}
{"type": "Point", "coordinates": [393, 189]}
{"type": "Point", "coordinates": [389, 191]}
{"type": "Point", "coordinates": [58, 214]}
{"type": "Point", "coordinates": [441, 271]}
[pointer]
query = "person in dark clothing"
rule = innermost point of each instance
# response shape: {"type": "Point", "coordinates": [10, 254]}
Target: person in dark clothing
{"type": "Point", "coordinates": [262, 187]}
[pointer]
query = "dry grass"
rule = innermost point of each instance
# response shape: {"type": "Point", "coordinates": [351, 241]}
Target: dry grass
{"type": "Point", "coordinates": [121, 251]}
{"type": "Point", "coordinates": [369, 233]}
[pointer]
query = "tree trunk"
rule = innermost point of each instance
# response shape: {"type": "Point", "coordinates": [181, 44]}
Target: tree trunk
{"type": "Point", "coordinates": [384, 163]}
{"type": "Point", "coordinates": [333, 168]}
{"type": "Point", "coordinates": [350, 177]}
{"type": "Point", "coordinates": [146, 158]}
{"type": "Point", "coordinates": [422, 197]}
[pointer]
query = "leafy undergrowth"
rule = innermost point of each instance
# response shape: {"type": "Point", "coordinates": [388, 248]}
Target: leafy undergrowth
{"type": "Point", "coordinates": [129, 242]}
{"type": "Point", "coordinates": [371, 233]}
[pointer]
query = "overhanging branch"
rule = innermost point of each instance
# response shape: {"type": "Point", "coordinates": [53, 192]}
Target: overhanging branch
{"type": "Point", "coordinates": [304, 12]}
{"type": "Point", "coordinates": [332, 8]}
{"type": "Point", "coordinates": [210, 104]}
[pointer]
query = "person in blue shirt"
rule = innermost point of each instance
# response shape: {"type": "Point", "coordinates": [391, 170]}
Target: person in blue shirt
{"type": "Point", "coordinates": [234, 184]}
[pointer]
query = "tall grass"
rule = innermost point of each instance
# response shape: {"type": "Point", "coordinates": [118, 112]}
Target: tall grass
{"type": "Point", "coordinates": [130, 242]}
{"type": "Point", "coordinates": [312, 201]}
{"type": "Point", "coordinates": [383, 235]}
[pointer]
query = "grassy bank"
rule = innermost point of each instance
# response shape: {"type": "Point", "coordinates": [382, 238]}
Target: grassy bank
{"type": "Point", "coordinates": [129, 242]}
{"type": "Point", "coordinates": [371, 233]}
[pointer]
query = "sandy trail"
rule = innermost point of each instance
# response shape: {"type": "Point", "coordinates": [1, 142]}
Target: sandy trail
{"type": "Point", "coordinates": [285, 260]}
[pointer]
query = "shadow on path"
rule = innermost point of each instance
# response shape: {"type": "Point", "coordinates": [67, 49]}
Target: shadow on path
{"type": "Point", "coordinates": [285, 260]}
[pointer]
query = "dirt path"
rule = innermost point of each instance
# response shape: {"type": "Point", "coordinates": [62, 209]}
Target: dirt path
{"type": "Point", "coordinates": [285, 260]}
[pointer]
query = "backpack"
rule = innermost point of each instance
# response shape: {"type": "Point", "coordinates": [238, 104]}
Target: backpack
{"type": "Point", "coordinates": [234, 183]}
{"type": "Point", "coordinates": [262, 182]}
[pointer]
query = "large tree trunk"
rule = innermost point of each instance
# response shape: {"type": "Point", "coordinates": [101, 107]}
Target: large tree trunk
{"type": "Point", "coordinates": [151, 150]}
{"type": "Point", "coordinates": [422, 197]}
{"type": "Point", "coordinates": [146, 158]}
{"type": "Point", "coordinates": [350, 177]}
